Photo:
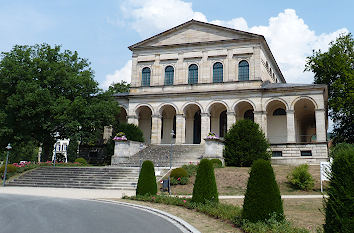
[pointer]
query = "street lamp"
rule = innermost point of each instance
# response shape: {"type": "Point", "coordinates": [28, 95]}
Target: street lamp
{"type": "Point", "coordinates": [56, 135]}
{"type": "Point", "coordinates": [169, 177]}
{"type": "Point", "coordinates": [140, 158]}
{"type": "Point", "coordinates": [8, 148]}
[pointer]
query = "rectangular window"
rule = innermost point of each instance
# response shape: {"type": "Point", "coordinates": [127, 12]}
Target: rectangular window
{"type": "Point", "coordinates": [277, 154]}
{"type": "Point", "coordinates": [306, 153]}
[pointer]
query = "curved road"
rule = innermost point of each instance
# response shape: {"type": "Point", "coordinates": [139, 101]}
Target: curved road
{"type": "Point", "coordinates": [33, 214]}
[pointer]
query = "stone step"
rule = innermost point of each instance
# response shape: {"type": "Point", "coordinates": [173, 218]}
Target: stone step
{"type": "Point", "coordinates": [76, 186]}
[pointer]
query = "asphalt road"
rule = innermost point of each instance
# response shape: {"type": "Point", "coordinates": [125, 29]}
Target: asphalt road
{"type": "Point", "coordinates": [33, 214]}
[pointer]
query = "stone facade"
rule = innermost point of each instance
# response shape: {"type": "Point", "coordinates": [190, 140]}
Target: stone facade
{"type": "Point", "coordinates": [249, 84]}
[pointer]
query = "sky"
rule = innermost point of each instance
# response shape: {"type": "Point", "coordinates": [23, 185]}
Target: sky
{"type": "Point", "coordinates": [101, 31]}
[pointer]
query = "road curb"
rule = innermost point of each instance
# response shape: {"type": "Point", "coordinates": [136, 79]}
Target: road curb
{"type": "Point", "coordinates": [178, 222]}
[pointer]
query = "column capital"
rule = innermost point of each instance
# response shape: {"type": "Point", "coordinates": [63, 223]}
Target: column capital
{"type": "Point", "coordinates": [230, 113]}
{"type": "Point", "coordinates": [205, 114]}
{"type": "Point", "coordinates": [132, 116]}
{"type": "Point", "coordinates": [320, 110]}
{"type": "Point", "coordinates": [258, 112]}
{"type": "Point", "coordinates": [156, 116]}
{"type": "Point", "coordinates": [290, 111]}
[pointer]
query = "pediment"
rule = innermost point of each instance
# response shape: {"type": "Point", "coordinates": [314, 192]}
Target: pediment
{"type": "Point", "coordinates": [194, 32]}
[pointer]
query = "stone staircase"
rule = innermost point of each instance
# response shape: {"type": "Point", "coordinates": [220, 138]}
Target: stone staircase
{"type": "Point", "coordinates": [122, 178]}
{"type": "Point", "coordinates": [160, 155]}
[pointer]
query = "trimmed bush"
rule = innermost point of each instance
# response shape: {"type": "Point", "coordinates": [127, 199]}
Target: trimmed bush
{"type": "Point", "coordinates": [147, 179]}
{"type": "Point", "coordinates": [191, 169]}
{"type": "Point", "coordinates": [245, 143]}
{"type": "Point", "coordinates": [216, 163]}
{"type": "Point", "coordinates": [262, 198]}
{"type": "Point", "coordinates": [300, 178]}
{"type": "Point", "coordinates": [339, 207]}
{"type": "Point", "coordinates": [179, 180]}
{"type": "Point", "coordinates": [205, 189]}
{"type": "Point", "coordinates": [10, 169]}
{"type": "Point", "coordinates": [132, 132]}
{"type": "Point", "coordinates": [81, 161]}
{"type": "Point", "coordinates": [179, 173]}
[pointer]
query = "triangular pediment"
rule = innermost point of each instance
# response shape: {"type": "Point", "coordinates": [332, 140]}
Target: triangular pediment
{"type": "Point", "coordinates": [194, 32]}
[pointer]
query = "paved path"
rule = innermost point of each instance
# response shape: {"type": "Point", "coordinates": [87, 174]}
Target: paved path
{"type": "Point", "coordinates": [282, 196]}
{"type": "Point", "coordinates": [34, 214]}
{"type": "Point", "coordinates": [67, 192]}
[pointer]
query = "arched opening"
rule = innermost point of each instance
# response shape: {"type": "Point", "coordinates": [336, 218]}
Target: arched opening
{"type": "Point", "coordinates": [218, 72]}
{"type": "Point", "coordinates": [145, 77]}
{"type": "Point", "coordinates": [144, 117]}
{"type": "Point", "coordinates": [243, 71]}
{"type": "Point", "coordinates": [218, 119]}
{"type": "Point", "coordinates": [122, 116]}
{"type": "Point", "coordinates": [276, 122]}
{"type": "Point", "coordinates": [305, 121]}
{"type": "Point", "coordinates": [169, 74]}
{"type": "Point", "coordinates": [168, 123]}
{"type": "Point", "coordinates": [193, 124]}
{"type": "Point", "coordinates": [244, 110]}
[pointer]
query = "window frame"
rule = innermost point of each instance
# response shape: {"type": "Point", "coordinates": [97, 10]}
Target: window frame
{"type": "Point", "coordinates": [145, 83]}
{"type": "Point", "coordinates": [217, 79]}
{"type": "Point", "coordinates": [240, 68]}
{"type": "Point", "coordinates": [168, 80]}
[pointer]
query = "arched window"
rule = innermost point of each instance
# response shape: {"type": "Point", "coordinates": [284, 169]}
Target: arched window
{"type": "Point", "coordinates": [243, 71]}
{"type": "Point", "coordinates": [145, 81]}
{"type": "Point", "coordinates": [249, 115]}
{"type": "Point", "coordinates": [193, 74]}
{"type": "Point", "coordinates": [169, 72]}
{"type": "Point", "coordinates": [279, 112]}
{"type": "Point", "coordinates": [217, 73]}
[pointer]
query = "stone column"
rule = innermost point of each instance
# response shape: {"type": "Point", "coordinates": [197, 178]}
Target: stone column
{"type": "Point", "coordinates": [180, 129]}
{"type": "Point", "coordinates": [133, 119]}
{"type": "Point", "coordinates": [205, 126]}
{"type": "Point", "coordinates": [156, 129]}
{"type": "Point", "coordinates": [231, 119]}
{"type": "Point", "coordinates": [321, 130]}
{"type": "Point", "coordinates": [260, 119]}
{"type": "Point", "coordinates": [290, 121]}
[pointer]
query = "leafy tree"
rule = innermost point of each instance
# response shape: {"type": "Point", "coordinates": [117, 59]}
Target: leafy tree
{"type": "Point", "coordinates": [262, 198]}
{"type": "Point", "coordinates": [339, 207]}
{"type": "Point", "coordinates": [244, 143]}
{"type": "Point", "coordinates": [147, 179]}
{"type": "Point", "coordinates": [44, 91]}
{"type": "Point", "coordinates": [205, 188]}
{"type": "Point", "coordinates": [72, 149]}
{"type": "Point", "coordinates": [335, 68]}
{"type": "Point", "coordinates": [120, 87]}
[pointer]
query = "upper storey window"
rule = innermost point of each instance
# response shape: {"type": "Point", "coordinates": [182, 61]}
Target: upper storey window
{"type": "Point", "coordinates": [169, 73]}
{"type": "Point", "coordinates": [243, 71]}
{"type": "Point", "coordinates": [217, 73]}
{"type": "Point", "coordinates": [193, 74]}
{"type": "Point", "coordinates": [145, 77]}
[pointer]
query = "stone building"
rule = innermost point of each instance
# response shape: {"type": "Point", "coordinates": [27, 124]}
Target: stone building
{"type": "Point", "coordinates": [198, 78]}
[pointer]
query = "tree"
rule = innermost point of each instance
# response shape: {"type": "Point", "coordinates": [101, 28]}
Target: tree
{"type": "Point", "coordinates": [244, 143]}
{"type": "Point", "coordinates": [120, 87]}
{"type": "Point", "coordinates": [44, 91]}
{"type": "Point", "coordinates": [147, 179]}
{"type": "Point", "coordinates": [205, 188]}
{"type": "Point", "coordinates": [262, 198]}
{"type": "Point", "coordinates": [339, 207]}
{"type": "Point", "coordinates": [335, 68]}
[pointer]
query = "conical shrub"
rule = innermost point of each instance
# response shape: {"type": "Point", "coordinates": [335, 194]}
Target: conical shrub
{"type": "Point", "coordinates": [339, 207]}
{"type": "Point", "coordinates": [205, 189]}
{"type": "Point", "coordinates": [147, 179]}
{"type": "Point", "coordinates": [262, 198]}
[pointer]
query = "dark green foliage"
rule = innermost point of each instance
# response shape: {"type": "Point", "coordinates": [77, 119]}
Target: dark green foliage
{"type": "Point", "coordinates": [245, 143]}
{"type": "Point", "coordinates": [179, 180]}
{"type": "Point", "coordinates": [10, 168]}
{"type": "Point", "coordinates": [72, 149]}
{"type": "Point", "coordinates": [147, 180]}
{"type": "Point", "coordinates": [300, 178]}
{"type": "Point", "coordinates": [132, 132]}
{"type": "Point", "coordinates": [339, 147]}
{"type": "Point", "coordinates": [81, 161]}
{"type": "Point", "coordinates": [339, 207]}
{"type": "Point", "coordinates": [178, 172]}
{"type": "Point", "coordinates": [335, 69]}
{"type": "Point", "coordinates": [216, 163]}
{"type": "Point", "coordinates": [191, 169]}
{"type": "Point", "coordinates": [120, 87]}
{"type": "Point", "coordinates": [262, 198]}
{"type": "Point", "coordinates": [205, 189]}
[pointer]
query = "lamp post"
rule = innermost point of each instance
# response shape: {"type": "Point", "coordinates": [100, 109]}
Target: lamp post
{"type": "Point", "coordinates": [56, 135]}
{"type": "Point", "coordinates": [141, 147]}
{"type": "Point", "coordinates": [169, 177]}
{"type": "Point", "coordinates": [8, 148]}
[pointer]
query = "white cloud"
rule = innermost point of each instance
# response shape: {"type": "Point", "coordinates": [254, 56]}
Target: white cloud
{"type": "Point", "coordinates": [123, 74]}
{"type": "Point", "coordinates": [289, 37]}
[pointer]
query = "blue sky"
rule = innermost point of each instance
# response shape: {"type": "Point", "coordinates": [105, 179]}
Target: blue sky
{"type": "Point", "coordinates": [101, 31]}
